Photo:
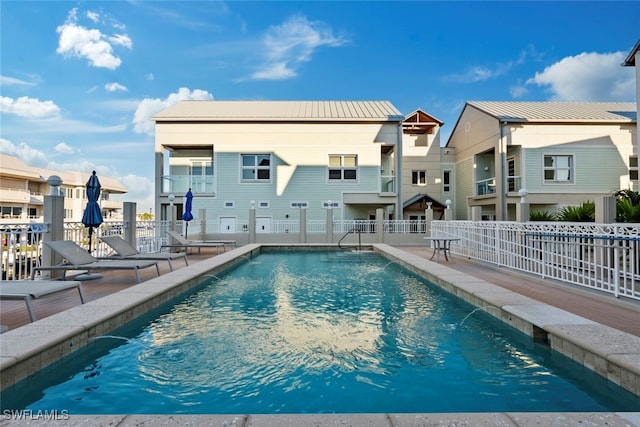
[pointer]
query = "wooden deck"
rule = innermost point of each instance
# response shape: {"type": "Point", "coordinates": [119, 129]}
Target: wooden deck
{"type": "Point", "coordinates": [619, 313]}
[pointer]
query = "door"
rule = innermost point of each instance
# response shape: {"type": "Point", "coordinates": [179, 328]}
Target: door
{"type": "Point", "coordinates": [263, 224]}
{"type": "Point", "coordinates": [228, 224]}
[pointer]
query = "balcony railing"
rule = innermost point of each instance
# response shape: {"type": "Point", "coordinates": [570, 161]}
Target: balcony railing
{"type": "Point", "coordinates": [388, 184]}
{"type": "Point", "coordinates": [177, 184]}
{"type": "Point", "coordinates": [488, 186]}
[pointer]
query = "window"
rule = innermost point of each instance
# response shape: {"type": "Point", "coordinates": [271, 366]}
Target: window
{"type": "Point", "coordinates": [229, 204]}
{"type": "Point", "coordinates": [201, 176]}
{"type": "Point", "coordinates": [419, 177]}
{"type": "Point", "coordinates": [446, 181]}
{"type": "Point", "coordinates": [558, 169]}
{"type": "Point", "coordinates": [511, 174]}
{"type": "Point", "coordinates": [263, 204]}
{"type": "Point", "coordinates": [256, 167]}
{"type": "Point", "coordinates": [633, 168]}
{"type": "Point", "coordinates": [299, 205]}
{"type": "Point", "coordinates": [343, 167]}
{"type": "Point", "coordinates": [330, 204]}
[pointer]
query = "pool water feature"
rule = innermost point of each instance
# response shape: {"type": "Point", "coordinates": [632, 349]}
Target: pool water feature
{"type": "Point", "coordinates": [319, 332]}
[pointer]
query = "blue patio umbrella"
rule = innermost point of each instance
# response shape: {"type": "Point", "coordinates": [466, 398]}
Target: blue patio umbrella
{"type": "Point", "coordinates": [92, 216]}
{"type": "Point", "coordinates": [187, 215]}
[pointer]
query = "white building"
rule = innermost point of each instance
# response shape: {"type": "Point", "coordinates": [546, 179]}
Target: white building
{"type": "Point", "coordinates": [22, 190]}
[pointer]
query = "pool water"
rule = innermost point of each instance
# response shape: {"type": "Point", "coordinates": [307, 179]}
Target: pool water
{"type": "Point", "coordinates": [321, 332]}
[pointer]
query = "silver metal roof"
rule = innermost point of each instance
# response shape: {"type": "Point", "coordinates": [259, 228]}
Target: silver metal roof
{"type": "Point", "coordinates": [621, 112]}
{"type": "Point", "coordinates": [630, 60]}
{"type": "Point", "coordinates": [281, 111]}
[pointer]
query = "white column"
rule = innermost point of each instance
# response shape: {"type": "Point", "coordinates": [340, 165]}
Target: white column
{"type": "Point", "coordinates": [252, 222]}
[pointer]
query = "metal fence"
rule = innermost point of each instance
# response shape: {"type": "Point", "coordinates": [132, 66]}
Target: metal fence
{"type": "Point", "coordinates": [604, 257]}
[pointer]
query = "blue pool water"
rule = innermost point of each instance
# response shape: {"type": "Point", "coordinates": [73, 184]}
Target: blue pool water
{"type": "Point", "coordinates": [319, 332]}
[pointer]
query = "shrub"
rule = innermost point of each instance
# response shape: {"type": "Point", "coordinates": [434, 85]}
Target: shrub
{"type": "Point", "coordinates": [586, 212]}
{"type": "Point", "coordinates": [627, 206]}
{"type": "Point", "coordinates": [542, 216]}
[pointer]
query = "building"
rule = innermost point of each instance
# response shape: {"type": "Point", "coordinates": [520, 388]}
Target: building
{"type": "Point", "coordinates": [427, 171]}
{"type": "Point", "coordinates": [631, 61]}
{"type": "Point", "coordinates": [561, 153]}
{"type": "Point", "coordinates": [22, 190]}
{"type": "Point", "coordinates": [279, 157]}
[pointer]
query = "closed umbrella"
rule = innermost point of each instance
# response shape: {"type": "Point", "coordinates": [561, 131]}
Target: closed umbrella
{"type": "Point", "coordinates": [92, 216]}
{"type": "Point", "coordinates": [187, 215]}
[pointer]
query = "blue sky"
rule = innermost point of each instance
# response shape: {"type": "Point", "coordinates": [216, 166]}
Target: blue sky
{"type": "Point", "coordinates": [80, 80]}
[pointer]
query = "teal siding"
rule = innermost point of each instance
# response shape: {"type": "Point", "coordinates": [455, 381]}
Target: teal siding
{"type": "Point", "coordinates": [596, 170]}
{"type": "Point", "coordinates": [463, 187]}
{"type": "Point", "coordinates": [308, 184]}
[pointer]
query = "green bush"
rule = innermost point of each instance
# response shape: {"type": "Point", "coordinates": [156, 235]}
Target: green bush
{"type": "Point", "coordinates": [627, 206]}
{"type": "Point", "coordinates": [542, 216]}
{"type": "Point", "coordinates": [586, 212]}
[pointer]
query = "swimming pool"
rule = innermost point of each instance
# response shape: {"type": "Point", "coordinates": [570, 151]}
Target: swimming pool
{"type": "Point", "coordinates": [319, 332]}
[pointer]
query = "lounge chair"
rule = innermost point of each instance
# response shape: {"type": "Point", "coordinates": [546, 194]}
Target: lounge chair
{"type": "Point", "coordinates": [181, 242]}
{"type": "Point", "coordinates": [77, 258]}
{"type": "Point", "coordinates": [28, 290]}
{"type": "Point", "coordinates": [125, 251]}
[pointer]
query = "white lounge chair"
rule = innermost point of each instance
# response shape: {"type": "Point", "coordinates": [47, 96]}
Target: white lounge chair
{"type": "Point", "coordinates": [181, 242]}
{"type": "Point", "coordinates": [77, 258]}
{"type": "Point", "coordinates": [125, 251]}
{"type": "Point", "coordinates": [28, 290]}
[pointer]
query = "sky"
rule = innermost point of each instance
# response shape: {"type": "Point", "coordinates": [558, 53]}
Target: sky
{"type": "Point", "coordinates": [80, 80]}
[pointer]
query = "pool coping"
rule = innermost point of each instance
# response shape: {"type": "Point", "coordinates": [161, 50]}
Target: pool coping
{"type": "Point", "coordinates": [609, 352]}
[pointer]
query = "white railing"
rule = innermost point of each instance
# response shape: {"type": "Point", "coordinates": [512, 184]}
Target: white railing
{"type": "Point", "coordinates": [603, 257]}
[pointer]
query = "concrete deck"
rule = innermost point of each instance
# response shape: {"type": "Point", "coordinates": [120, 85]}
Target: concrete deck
{"type": "Point", "coordinates": [589, 338]}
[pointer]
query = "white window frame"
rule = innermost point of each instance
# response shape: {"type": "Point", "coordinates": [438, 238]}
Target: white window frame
{"type": "Point", "coordinates": [419, 178]}
{"type": "Point", "coordinates": [229, 204]}
{"type": "Point", "coordinates": [446, 186]}
{"type": "Point", "coordinates": [556, 169]}
{"type": "Point", "coordinates": [334, 204]}
{"type": "Point", "coordinates": [342, 168]}
{"type": "Point", "coordinates": [255, 167]}
{"type": "Point", "coordinates": [633, 168]}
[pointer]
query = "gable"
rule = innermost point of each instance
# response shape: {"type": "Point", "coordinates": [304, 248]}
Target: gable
{"type": "Point", "coordinates": [419, 123]}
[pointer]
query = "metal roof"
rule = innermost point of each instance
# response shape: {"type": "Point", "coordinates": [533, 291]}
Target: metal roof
{"type": "Point", "coordinates": [13, 166]}
{"type": "Point", "coordinates": [630, 60]}
{"type": "Point", "coordinates": [239, 111]}
{"type": "Point", "coordinates": [620, 112]}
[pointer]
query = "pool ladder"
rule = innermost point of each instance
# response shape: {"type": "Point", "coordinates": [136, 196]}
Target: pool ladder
{"type": "Point", "coordinates": [353, 230]}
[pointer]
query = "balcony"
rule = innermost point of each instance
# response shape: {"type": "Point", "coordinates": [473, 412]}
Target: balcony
{"type": "Point", "coordinates": [12, 195]}
{"type": "Point", "coordinates": [178, 184]}
{"type": "Point", "coordinates": [488, 186]}
{"type": "Point", "coordinates": [387, 184]}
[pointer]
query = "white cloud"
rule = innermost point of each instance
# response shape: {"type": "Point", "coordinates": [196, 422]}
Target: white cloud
{"type": "Point", "coordinates": [518, 91]}
{"type": "Point", "coordinates": [94, 16]}
{"type": "Point", "coordinates": [292, 43]}
{"type": "Point", "coordinates": [141, 190]}
{"type": "Point", "coordinates": [64, 148]}
{"type": "Point", "coordinates": [29, 155]}
{"type": "Point", "coordinates": [275, 71]}
{"type": "Point", "coordinates": [588, 77]}
{"type": "Point", "coordinates": [150, 76]}
{"type": "Point", "coordinates": [11, 81]}
{"type": "Point", "coordinates": [148, 107]}
{"type": "Point", "coordinates": [115, 87]}
{"type": "Point", "coordinates": [78, 41]}
{"type": "Point", "coordinates": [121, 40]}
{"type": "Point", "coordinates": [481, 73]}
{"type": "Point", "coordinates": [28, 107]}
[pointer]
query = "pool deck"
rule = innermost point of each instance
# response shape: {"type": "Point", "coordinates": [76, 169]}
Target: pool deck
{"type": "Point", "coordinates": [602, 319]}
